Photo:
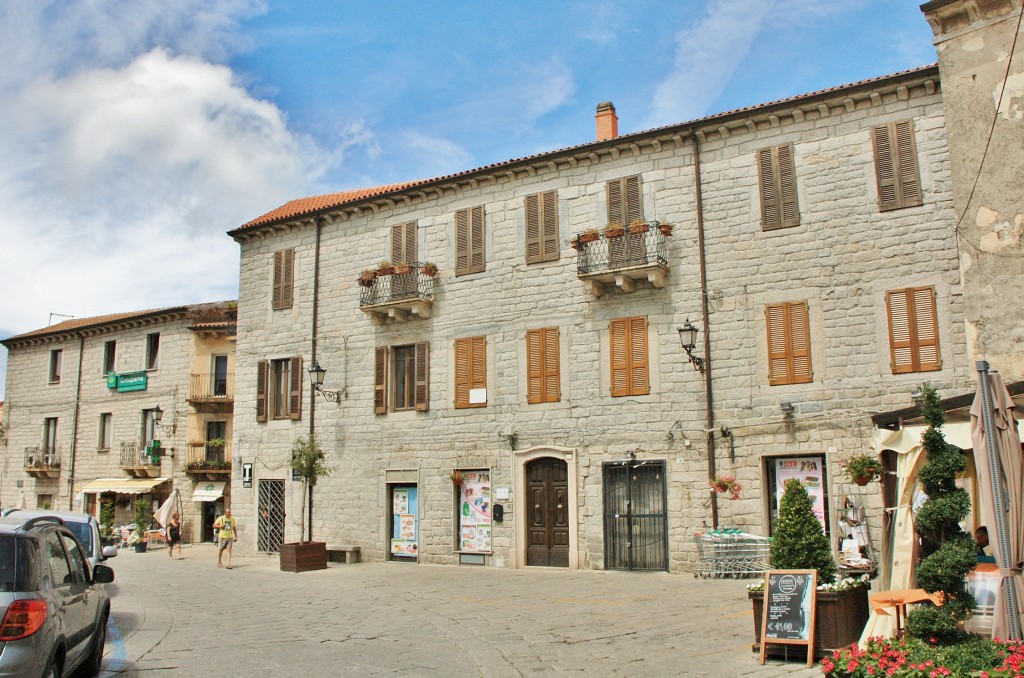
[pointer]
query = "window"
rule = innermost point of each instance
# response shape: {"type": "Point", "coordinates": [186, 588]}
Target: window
{"type": "Point", "coordinates": [913, 330]}
{"type": "Point", "coordinates": [542, 227]}
{"type": "Point", "coordinates": [44, 502]}
{"type": "Point", "coordinates": [79, 572]}
{"type": "Point", "coordinates": [106, 432]}
{"type": "Point", "coordinates": [153, 351]}
{"type": "Point", "coordinates": [469, 241]}
{"type": "Point", "coordinates": [284, 272]}
{"type": "Point", "coordinates": [49, 438]}
{"type": "Point", "coordinates": [402, 378]}
{"type": "Point", "coordinates": [777, 178]}
{"type": "Point", "coordinates": [542, 368]}
{"type": "Point", "coordinates": [628, 341]}
{"type": "Point", "coordinates": [625, 202]}
{"type": "Point", "coordinates": [471, 372]}
{"type": "Point", "coordinates": [896, 172]}
{"type": "Point", "coordinates": [109, 357]}
{"type": "Point", "coordinates": [60, 571]}
{"type": "Point", "coordinates": [56, 357]}
{"type": "Point", "coordinates": [789, 343]}
{"type": "Point", "coordinates": [404, 247]}
{"type": "Point", "coordinates": [148, 427]}
{"type": "Point", "coordinates": [279, 386]}
{"type": "Point", "coordinates": [220, 375]}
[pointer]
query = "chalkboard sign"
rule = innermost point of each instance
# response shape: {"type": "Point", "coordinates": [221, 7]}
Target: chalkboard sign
{"type": "Point", "coordinates": [788, 616]}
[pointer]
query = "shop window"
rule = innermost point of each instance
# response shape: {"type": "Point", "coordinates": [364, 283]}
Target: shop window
{"type": "Point", "coordinates": [473, 510]}
{"type": "Point", "coordinates": [809, 470]}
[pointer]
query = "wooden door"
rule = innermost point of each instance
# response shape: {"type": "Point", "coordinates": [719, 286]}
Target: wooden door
{"type": "Point", "coordinates": [547, 490]}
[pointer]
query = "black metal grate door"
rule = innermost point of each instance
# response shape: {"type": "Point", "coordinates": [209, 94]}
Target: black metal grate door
{"type": "Point", "coordinates": [635, 521]}
{"type": "Point", "coordinates": [270, 521]}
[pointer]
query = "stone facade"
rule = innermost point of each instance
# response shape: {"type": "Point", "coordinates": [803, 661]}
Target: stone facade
{"type": "Point", "coordinates": [841, 259]}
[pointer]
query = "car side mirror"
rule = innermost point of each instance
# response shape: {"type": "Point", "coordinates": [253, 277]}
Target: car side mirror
{"type": "Point", "coordinates": [101, 574]}
{"type": "Point", "coordinates": [109, 552]}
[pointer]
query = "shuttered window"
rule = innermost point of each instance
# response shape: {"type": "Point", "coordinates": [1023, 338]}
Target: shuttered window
{"type": "Point", "coordinates": [404, 244]}
{"type": "Point", "coordinates": [401, 378]}
{"type": "Point", "coordinates": [261, 390]}
{"type": "Point", "coordinates": [789, 343]}
{"type": "Point", "coordinates": [279, 386]}
{"type": "Point", "coordinates": [625, 200]}
{"type": "Point", "coordinates": [777, 177]}
{"type": "Point", "coordinates": [471, 372]}
{"type": "Point", "coordinates": [542, 227]}
{"type": "Point", "coordinates": [628, 341]}
{"type": "Point", "coordinates": [896, 170]}
{"type": "Point", "coordinates": [913, 330]}
{"type": "Point", "coordinates": [284, 273]}
{"type": "Point", "coordinates": [469, 241]}
{"type": "Point", "coordinates": [542, 366]}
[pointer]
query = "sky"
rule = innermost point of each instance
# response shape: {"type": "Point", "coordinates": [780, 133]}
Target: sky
{"type": "Point", "coordinates": [135, 133]}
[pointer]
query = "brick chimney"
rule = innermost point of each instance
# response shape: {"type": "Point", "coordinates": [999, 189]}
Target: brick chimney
{"type": "Point", "coordinates": [607, 121]}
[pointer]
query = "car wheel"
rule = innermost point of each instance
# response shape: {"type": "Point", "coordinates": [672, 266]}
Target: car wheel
{"type": "Point", "coordinates": [91, 667]}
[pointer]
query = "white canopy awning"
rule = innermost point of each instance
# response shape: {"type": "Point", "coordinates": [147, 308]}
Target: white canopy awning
{"type": "Point", "coordinates": [211, 491]}
{"type": "Point", "coordinates": [122, 485]}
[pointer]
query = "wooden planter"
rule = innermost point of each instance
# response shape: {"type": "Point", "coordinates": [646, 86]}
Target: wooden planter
{"type": "Point", "coordinates": [296, 557]}
{"type": "Point", "coordinates": [615, 233]}
{"type": "Point", "coordinates": [588, 237]}
{"type": "Point", "coordinates": [840, 618]}
{"type": "Point", "coordinates": [639, 228]}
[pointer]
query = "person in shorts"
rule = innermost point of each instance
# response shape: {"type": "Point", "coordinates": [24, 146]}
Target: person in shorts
{"type": "Point", "coordinates": [226, 536]}
{"type": "Point", "coordinates": [173, 536]}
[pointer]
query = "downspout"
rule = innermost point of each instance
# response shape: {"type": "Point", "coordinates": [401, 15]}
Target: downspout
{"type": "Point", "coordinates": [709, 426]}
{"type": "Point", "coordinates": [312, 358]}
{"type": "Point", "coordinates": [74, 425]}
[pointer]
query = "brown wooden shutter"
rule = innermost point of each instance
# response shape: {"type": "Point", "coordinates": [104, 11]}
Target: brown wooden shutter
{"type": "Point", "coordinates": [261, 390]}
{"type": "Point", "coordinates": [777, 179]}
{"type": "Point", "coordinates": [469, 241]}
{"type": "Point", "coordinates": [619, 344]}
{"type": "Point", "coordinates": [284, 273]}
{"type": "Point", "coordinates": [913, 330]}
{"type": "Point", "coordinates": [629, 365]}
{"type": "Point", "coordinates": [295, 388]}
{"type": "Point", "coordinates": [422, 394]}
{"type": "Point", "coordinates": [906, 155]}
{"type": "Point", "coordinates": [275, 299]}
{"type": "Point", "coordinates": [638, 356]}
{"type": "Point", "coordinates": [789, 343]}
{"type": "Point", "coordinates": [470, 369]}
{"type": "Point", "coordinates": [541, 227]}
{"type": "Point", "coordinates": [534, 247]}
{"type": "Point", "coordinates": [625, 201]}
{"type": "Point", "coordinates": [896, 168]}
{"type": "Point", "coordinates": [404, 244]}
{"type": "Point", "coordinates": [771, 214]}
{"type": "Point", "coordinates": [380, 376]}
{"type": "Point", "coordinates": [542, 366]}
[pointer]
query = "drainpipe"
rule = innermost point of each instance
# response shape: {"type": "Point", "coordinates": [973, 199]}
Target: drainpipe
{"type": "Point", "coordinates": [312, 357]}
{"type": "Point", "coordinates": [709, 425]}
{"type": "Point", "coordinates": [74, 425]}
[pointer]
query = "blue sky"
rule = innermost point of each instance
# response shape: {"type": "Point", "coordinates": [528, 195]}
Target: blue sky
{"type": "Point", "coordinates": [135, 133]}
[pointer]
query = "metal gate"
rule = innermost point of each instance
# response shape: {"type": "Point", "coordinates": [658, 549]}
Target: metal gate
{"type": "Point", "coordinates": [635, 521]}
{"type": "Point", "coordinates": [270, 520]}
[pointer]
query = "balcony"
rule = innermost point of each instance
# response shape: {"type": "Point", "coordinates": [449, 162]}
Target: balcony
{"type": "Point", "coordinates": [140, 461]}
{"type": "Point", "coordinates": [212, 462]}
{"type": "Point", "coordinates": [42, 461]}
{"type": "Point", "coordinates": [211, 387]}
{"type": "Point", "coordinates": [401, 295]}
{"type": "Point", "coordinates": [623, 259]}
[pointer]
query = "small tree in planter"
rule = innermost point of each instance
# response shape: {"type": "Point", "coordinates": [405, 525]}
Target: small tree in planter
{"type": "Point", "coordinates": [107, 509]}
{"type": "Point", "coordinates": [309, 463]}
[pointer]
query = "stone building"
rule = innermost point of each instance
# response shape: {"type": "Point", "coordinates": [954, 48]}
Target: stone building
{"type": "Point", "coordinates": [812, 248]}
{"type": "Point", "coordinates": [123, 408]}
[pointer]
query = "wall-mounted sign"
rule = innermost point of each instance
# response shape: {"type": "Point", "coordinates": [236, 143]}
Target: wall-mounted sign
{"type": "Point", "coordinates": [131, 381]}
{"type": "Point", "coordinates": [111, 379]}
{"type": "Point", "coordinates": [247, 474]}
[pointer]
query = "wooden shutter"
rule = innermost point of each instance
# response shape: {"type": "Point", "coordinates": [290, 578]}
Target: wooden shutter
{"type": "Point", "coordinates": [542, 227]}
{"type": "Point", "coordinates": [261, 390]}
{"type": "Point", "coordinates": [404, 244]}
{"type": "Point", "coordinates": [896, 168]}
{"type": "Point", "coordinates": [284, 263]}
{"type": "Point", "coordinates": [629, 368]}
{"type": "Point", "coordinates": [380, 377]}
{"type": "Point", "coordinates": [469, 241]}
{"type": "Point", "coordinates": [625, 200]}
{"type": "Point", "coordinates": [298, 381]}
{"type": "Point", "coordinates": [542, 366]}
{"type": "Point", "coordinates": [913, 330]}
{"type": "Point", "coordinates": [422, 394]}
{"type": "Point", "coordinates": [789, 343]}
{"type": "Point", "coordinates": [470, 369]}
{"type": "Point", "coordinates": [777, 179]}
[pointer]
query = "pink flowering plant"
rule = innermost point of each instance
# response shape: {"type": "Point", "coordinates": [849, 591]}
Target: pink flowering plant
{"type": "Point", "coordinates": [726, 484]}
{"type": "Point", "coordinates": [912, 658]}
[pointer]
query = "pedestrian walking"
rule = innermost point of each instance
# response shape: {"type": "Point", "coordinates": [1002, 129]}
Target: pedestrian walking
{"type": "Point", "coordinates": [173, 536]}
{"type": "Point", "coordinates": [226, 536]}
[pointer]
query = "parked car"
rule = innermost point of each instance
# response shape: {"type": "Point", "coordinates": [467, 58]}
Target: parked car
{"type": "Point", "coordinates": [53, 607]}
{"type": "Point", "coordinates": [84, 526]}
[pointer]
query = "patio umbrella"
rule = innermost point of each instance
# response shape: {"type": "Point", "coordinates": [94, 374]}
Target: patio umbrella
{"type": "Point", "coordinates": [173, 505]}
{"type": "Point", "coordinates": [997, 456]}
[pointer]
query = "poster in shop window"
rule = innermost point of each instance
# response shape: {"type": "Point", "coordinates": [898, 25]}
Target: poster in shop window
{"type": "Point", "coordinates": [475, 512]}
{"type": "Point", "coordinates": [810, 472]}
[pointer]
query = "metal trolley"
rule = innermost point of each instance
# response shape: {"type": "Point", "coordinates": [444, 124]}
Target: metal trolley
{"type": "Point", "coordinates": [730, 552]}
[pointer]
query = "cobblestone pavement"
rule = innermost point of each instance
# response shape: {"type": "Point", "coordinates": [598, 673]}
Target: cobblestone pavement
{"type": "Point", "coordinates": [189, 618]}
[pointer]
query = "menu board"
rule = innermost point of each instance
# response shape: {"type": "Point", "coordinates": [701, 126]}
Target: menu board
{"type": "Point", "coordinates": [788, 614]}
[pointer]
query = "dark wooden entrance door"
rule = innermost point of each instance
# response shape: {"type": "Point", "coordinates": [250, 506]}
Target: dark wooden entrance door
{"type": "Point", "coordinates": [547, 497]}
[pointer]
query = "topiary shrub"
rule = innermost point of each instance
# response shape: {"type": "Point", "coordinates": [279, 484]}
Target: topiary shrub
{"type": "Point", "coordinates": [799, 542]}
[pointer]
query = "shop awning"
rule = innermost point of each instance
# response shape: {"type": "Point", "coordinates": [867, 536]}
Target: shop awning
{"type": "Point", "coordinates": [210, 491]}
{"type": "Point", "coordinates": [123, 485]}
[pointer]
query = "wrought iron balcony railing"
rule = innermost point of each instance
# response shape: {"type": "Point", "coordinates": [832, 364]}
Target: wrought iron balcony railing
{"type": "Point", "coordinates": [42, 458]}
{"type": "Point", "coordinates": [211, 387]}
{"type": "Point", "coordinates": [134, 454]}
{"type": "Point", "coordinates": [398, 294]}
{"type": "Point", "coordinates": [622, 259]}
{"type": "Point", "coordinates": [202, 456]}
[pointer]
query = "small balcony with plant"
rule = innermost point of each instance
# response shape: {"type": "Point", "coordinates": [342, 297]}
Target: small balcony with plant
{"type": "Point", "coordinates": [141, 460]}
{"type": "Point", "coordinates": [622, 255]}
{"type": "Point", "coordinates": [42, 461]}
{"type": "Point", "coordinates": [398, 292]}
{"type": "Point", "coordinates": [211, 387]}
{"type": "Point", "coordinates": [210, 459]}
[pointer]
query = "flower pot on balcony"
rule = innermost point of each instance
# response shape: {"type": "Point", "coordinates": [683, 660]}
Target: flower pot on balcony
{"type": "Point", "coordinates": [366, 278]}
{"type": "Point", "coordinates": [304, 556]}
{"type": "Point", "coordinates": [639, 227]}
{"type": "Point", "coordinates": [588, 236]}
{"type": "Point", "coordinates": [429, 269]}
{"type": "Point", "coordinates": [403, 269]}
{"type": "Point", "coordinates": [666, 229]}
{"type": "Point", "coordinates": [614, 232]}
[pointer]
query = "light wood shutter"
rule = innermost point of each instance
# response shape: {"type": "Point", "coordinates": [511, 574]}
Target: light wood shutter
{"type": "Point", "coordinates": [404, 246]}
{"type": "Point", "coordinates": [625, 200]}
{"type": "Point", "coordinates": [542, 366]}
{"type": "Point", "coordinates": [913, 330]}
{"type": "Point", "coordinates": [284, 264]}
{"type": "Point", "coordinates": [629, 368]}
{"type": "Point", "coordinates": [789, 343]}
{"type": "Point", "coordinates": [470, 369]}
{"type": "Point", "coordinates": [777, 179]}
{"type": "Point", "coordinates": [469, 241]}
{"type": "Point", "coordinates": [298, 381]}
{"type": "Point", "coordinates": [896, 168]}
{"type": "Point", "coordinates": [542, 227]}
{"type": "Point", "coordinates": [261, 390]}
{"type": "Point", "coordinates": [380, 377]}
{"type": "Point", "coordinates": [422, 393]}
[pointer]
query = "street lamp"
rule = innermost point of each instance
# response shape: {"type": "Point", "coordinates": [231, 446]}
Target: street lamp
{"type": "Point", "coordinates": [688, 340]}
{"type": "Point", "coordinates": [158, 415]}
{"type": "Point", "coordinates": [316, 378]}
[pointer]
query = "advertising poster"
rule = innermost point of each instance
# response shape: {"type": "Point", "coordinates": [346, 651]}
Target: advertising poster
{"type": "Point", "coordinates": [475, 512]}
{"type": "Point", "coordinates": [404, 537]}
{"type": "Point", "coordinates": [810, 472]}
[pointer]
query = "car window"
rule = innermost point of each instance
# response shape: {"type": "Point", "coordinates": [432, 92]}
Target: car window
{"type": "Point", "coordinates": [16, 564]}
{"type": "Point", "coordinates": [79, 570]}
{"type": "Point", "coordinates": [82, 532]}
{"type": "Point", "coordinates": [60, 571]}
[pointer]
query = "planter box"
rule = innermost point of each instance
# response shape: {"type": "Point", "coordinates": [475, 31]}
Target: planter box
{"type": "Point", "coordinates": [840, 618]}
{"type": "Point", "coordinates": [296, 557]}
{"type": "Point", "coordinates": [141, 547]}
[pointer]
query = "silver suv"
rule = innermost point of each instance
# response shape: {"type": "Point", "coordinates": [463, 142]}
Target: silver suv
{"type": "Point", "coordinates": [53, 609]}
{"type": "Point", "coordinates": [84, 526]}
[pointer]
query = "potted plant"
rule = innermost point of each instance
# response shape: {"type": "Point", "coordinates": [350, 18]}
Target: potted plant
{"type": "Point", "coordinates": [403, 268]}
{"type": "Point", "coordinates": [726, 484]}
{"type": "Point", "coordinates": [588, 235]}
{"type": "Point", "coordinates": [614, 230]}
{"type": "Point", "coordinates": [639, 226]}
{"type": "Point", "coordinates": [429, 268]}
{"type": "Point", "coordinates": [385, 267]}
{"type": "Point", "coordinates": [863, 468]}
{"type": "Point", "coordinates": [799, 543]}
{"type": "Point", "coordinates": [456, 477]}
{"type": "Point", "coordinates": [143, 517]}
{"type": "Point", "coordinates": [666, 229]}
{"type": "Point", "coordinates": [367, 277]}
{"type": "Point", "coordinates": [309, 463]}
{"type": "Point", "coordinates": [107, 509]}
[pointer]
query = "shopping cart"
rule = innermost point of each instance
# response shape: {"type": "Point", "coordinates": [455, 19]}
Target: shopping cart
{"type": "Point", "coordinates": [732, 553]}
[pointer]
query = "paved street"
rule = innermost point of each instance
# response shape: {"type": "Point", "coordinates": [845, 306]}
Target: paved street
{"type": "Point", "coordinates": [189, 618]}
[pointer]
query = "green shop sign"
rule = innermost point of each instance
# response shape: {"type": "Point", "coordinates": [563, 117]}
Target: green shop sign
{"type": "Point", "coordinates": [131, 381]}
{"type": "Point", "coordinates": [111, 379]}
